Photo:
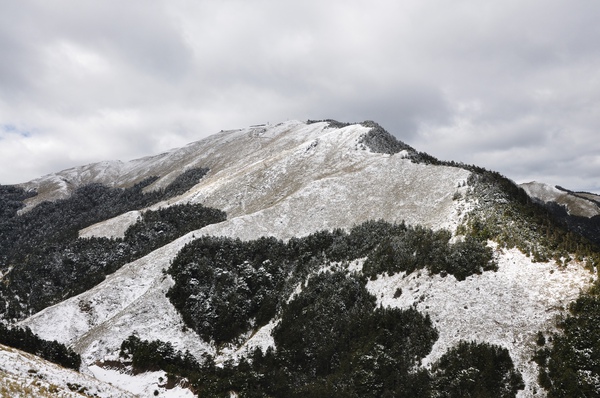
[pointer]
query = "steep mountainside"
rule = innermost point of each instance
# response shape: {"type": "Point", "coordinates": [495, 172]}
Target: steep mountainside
{"type": "Point", "coordinates": [169, 254]}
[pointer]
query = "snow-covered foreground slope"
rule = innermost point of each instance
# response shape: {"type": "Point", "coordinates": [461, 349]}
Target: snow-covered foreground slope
{"type": "Point", "coordinates": [130, 300]}
{"type": "Point", "coordinates": [25, 375]}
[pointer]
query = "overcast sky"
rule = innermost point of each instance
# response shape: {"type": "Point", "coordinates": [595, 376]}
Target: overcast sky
{"type": "Point", "coordinates": [513, 86]}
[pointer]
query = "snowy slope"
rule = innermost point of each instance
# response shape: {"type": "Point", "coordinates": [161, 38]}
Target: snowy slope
{"type": "Point", "coordinates": [131, 299]}
{"type": "Point", "coordinates": [292, 179]}
{"type": "Point", "coordinates": [507, 307]}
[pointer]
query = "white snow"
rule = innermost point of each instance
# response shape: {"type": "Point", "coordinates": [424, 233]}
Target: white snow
{"type": "Point", "coordinates": [112, 228]}
{"type": "Point", "coordinates": [299, 179]}
{"type": "Point", "coordinates": [292, 179]}
{"type": "Point", "coordinates": [26, 375]}
{"type": "Point", "coordinates": [143, 385]}
{"type": "Point", "coordinates": [262, 339]}
{"type": "Point", "coordinates": [507, 307]}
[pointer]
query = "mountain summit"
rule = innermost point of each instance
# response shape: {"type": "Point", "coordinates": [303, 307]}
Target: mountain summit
{"type": "Point", "coordinates": [308, 257]}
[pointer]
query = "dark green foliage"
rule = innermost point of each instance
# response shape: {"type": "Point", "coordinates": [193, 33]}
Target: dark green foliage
{"type": "Point", "coordinates": [571, 366]}
{"type": "Point", "coordinates": [54, 222]}
{"type": "Point", "coordinates": [183, 182]}
{"type": "Point", "coordinates": [157, 355]}
{"type": "Point", "coordinates": [380, 141]}
{"type": "Point", "coordinates": [49, 263]}
{"type": "Point", "coordinates": [26, 340]}
{"type": "Point", "coordinates": [475, 370]}
{"type": "Point", "coordinates": [377, 139]}
{"type": "Point", "coordinates": [540, 339]}
{"type": "Point", "coordinates": [332, 123]}
{"type": "Point", "coordinates": [331, 341]}
{"type": "Point", "coordinates": [51, 223]}
{"type": "Point", "coordinates": [11, 200]}
{"type": "Point", "coordinates": [422, 248]}
{"type": "Point", "coordinates": [588, 227]}
{"type": "Point", "coordinates": [50, 273]}
{"type": "Point", "coordinates": [225, 287]}
{"type": "Point", "coordinates": [330, 302]}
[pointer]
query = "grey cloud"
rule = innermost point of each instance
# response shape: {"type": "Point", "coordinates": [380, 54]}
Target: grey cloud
{"type": "Point", "coordinates": [140, 35]}
{"type": "Point", "coordinates": [512, 86]}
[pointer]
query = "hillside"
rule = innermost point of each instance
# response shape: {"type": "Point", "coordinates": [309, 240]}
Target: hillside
{"type": "Point", "coordinates": [459, 252]}
{"type": "Point", "coordinates": [25, 375]}
{"type": "Point", "coordinates": [580, 211]}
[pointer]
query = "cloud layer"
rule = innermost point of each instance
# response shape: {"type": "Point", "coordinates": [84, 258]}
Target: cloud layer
{"type": "Point", "coordinates": [512, 86]}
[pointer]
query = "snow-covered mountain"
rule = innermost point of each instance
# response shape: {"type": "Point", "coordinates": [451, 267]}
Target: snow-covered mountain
{"type": "Point", "coordinates": [291, 180]}
{"type": "Point", "coordinates": [576, 204]}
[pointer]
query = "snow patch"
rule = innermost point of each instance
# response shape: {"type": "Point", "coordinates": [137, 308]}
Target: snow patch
{"type": "Point", "coordinates": [112, 228]}
{"type": "Point", "coordinates": [142, 385]}
{"type": "Point", "coordinates": [506, 307]}
{"type": "Point", "coordinates": [132, 300]}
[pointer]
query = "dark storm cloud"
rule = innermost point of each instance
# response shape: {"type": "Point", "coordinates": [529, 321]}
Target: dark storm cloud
{"type": "Point", "coordinates": [512, 86]}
